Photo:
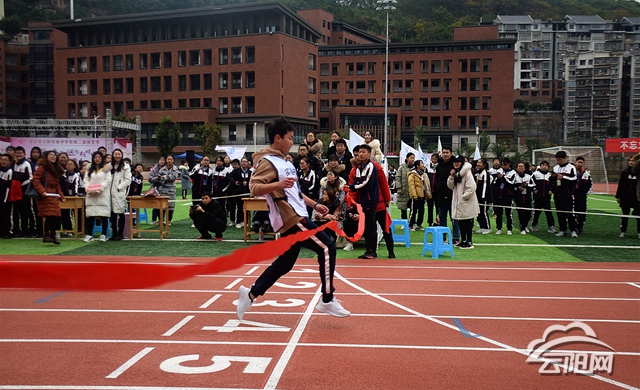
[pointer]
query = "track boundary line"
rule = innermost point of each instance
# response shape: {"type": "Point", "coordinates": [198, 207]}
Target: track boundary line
{"type": "Point", "coordinates": [483, 338]}
{"type": "Point", "coordinates": [130, 311]}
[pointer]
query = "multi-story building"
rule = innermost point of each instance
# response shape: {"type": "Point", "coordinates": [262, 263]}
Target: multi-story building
{"type": "Point", "coordinates": [579, 59]}
{"type": "Point", "coordinates": [242, 65]}
{"type": "Point", "coordinates": [14, 76]}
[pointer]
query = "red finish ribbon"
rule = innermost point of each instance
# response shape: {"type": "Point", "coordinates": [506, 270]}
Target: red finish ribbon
{"type": "Point", "coordinates": [119, 276]}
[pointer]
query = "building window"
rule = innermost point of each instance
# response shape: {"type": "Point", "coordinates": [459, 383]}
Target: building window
{"type": "Point", "coordinates": [350, 68]}
{"type": "Point", "coordinates": [155, 61]}
{"type": "Point", "coordinates": [223, 105]}
{"type": "Point", "coordinates": [334, 86]}
{"type": "Point", "coordinates": [106, 86]}
{"type": "Point", "coordinates": [223, 79]}
{"type": "Point", "coordinates": [248, 131]}
{"type": "Point", "coordinates": [167, 83]}
{"type": "Point", "coordinates": [71, 88]}
{"type": "Point", "coordinates": [118, 87]}
{"type": "Point", "coordinates": [194, 103]}
{"type": "Point", "coordinates": [168, 103]}
{"type": "Point", "coordinates": [129, 82]}
{"type": "Point", "coordinates": [464, 66]}
{"type": "Point", "coordinates": [182, 103]}
{"type": "Point", "coordinates": [311, 62]}
{"type": "Point", "coordinates": [475, 65]}
{"type": "Point", "coordinates": [251, 79]}
{"type": "Point", "coordinates": [207, 60]}
{"type": "Point", "coordinates": [223, 56]}
{"type": "Point", "coordinates": [251, 105]}
{"type": "Point", "coordinates": [144, 104]}
{"type": "Point", "coordinates": [435, 85]}
{"type": "Point", "coordinates": [129, 61]}
{"type": "Point", "coordinates": [93, 64]}
{"type": "Point", "coordinates": [182, 83]}
{"type": "Point", "coordinates": [236, 105]}
{"type": "Point", "coordinates": [117, 63]}
{"type": "Point", "coordinates": [324, 69]}
{"type": "Point", "coordinates": [167, 59]}
{"type": "Point", "coordinates": [143, 61]}
{"type": "Point", "coordinates": [144, 85]}
{"type": "Point", "coordinates": [236, 80]}
{"type": "Point", "coordinates": [155, 104]}
{"type": "Point", "coordinates": [206, 102]}
{"type": "Point", "coordinates": [71, 66]}
{"type": "Point", "coordinates": [194, 57]}
{"type": "Point", "coordinates": [311, 108]}
{"type": "Point", "coordinates": [424, 66]}
{"type": "Point", "coordinates": [155, 84]}
{"type": "Point", "coordinates": [93, 87]}
{"type": "Point", "coordinates": [208, 81]}
{"type": "Point", "coordinates": [106, 63]}
{"type": "Point", "coordinates": [251, 54]}
{"type": "Point", "coordinates": [232, 133]}
{"type": "Point", "coordinates": [311, 85]}
{"type": "Point", "coordinates": [182, 58]}
{"type": "Point", "coordinates": [194, 81]}
{"type": "Point", "coordinates": [435, 66]}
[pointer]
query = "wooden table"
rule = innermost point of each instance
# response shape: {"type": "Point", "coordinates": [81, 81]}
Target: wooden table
{"type": "Point", "coordinates": [253, 204]}
{"type": "Point", "coordinates": [75, 203]}
{"type": "Point", "coordinates": [158, 202]}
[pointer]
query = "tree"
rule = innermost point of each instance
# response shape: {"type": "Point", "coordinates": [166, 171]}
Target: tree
{"type": "Point", "coordinates": [612, 131]}
{"type": "Point", "coordinates": [420, 135]}
{"type": "Point", "coordinates": [208, 136]}
{"type": "Point", "coordinates": [11, 25]}
{"type": "Point", "coordinates": [485, 141]}
{"type": "Point", "coordinates": [168, 135]}
{"type": "Point", "coordinates": [499, 149]}
{"type": "Point", "coordinates": [556, 104]}
{"type": "Point", "coordinates": [519, 104]}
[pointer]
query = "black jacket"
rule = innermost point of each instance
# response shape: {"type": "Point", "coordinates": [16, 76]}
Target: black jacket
{"type": "Point", "coordinates": [212, 211]}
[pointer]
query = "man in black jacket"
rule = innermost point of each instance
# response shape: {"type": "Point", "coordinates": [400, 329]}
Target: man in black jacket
{"type": "Point", "coordinates": [303, 151]}
{"type": "Point", "coordinates": [444, 195]}
{"type": "Point", "coordinates": [208, 216]}
{"type": "Point", "coordinates": [240, 179]}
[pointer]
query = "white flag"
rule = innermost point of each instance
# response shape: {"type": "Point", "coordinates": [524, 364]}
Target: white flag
{"type": "Point", "coordinates": [477, 155]}
{"type": "Point", "coordinates": [406, 149]}
{"type": "Point", "coordinates": [232, 151]}
{"type": "Point", "coordinates": [439, 151]}
{"type": "Point", "coordinates": [354, 139]}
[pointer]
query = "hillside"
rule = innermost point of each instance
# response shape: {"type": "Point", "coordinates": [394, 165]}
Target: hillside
{"type": "Point", "coordinates": [414, 20]}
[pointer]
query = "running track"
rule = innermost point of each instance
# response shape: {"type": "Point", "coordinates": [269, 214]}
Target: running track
{"type": "Point", "coordinates": [414, 325]}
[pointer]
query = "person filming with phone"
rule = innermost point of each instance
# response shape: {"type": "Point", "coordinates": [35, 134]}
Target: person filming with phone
{"type": "Point", "coordinates": [208, 216]}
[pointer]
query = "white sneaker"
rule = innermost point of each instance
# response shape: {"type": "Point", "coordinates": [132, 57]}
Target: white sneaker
{"type": "Point", "coordinates": [239, 226]}
{"type": "Point", "coordinates": [523, 232]}
{"type": "Point", "coordinates": [480, 231]}
{"type": "Point", "coordinates": [527, 229]}
{"type": "Point", "coordinates": [574, 234]}
{"type": "Point", "coordinates": [499, 231]}
{"type": "Point", "coordinates": [193, 225]}
{"type": "Point", "coordinates": [552, 230]}
{"type": "Point", "coordinates": [534, 229]}
{"type": "Point", "coordinates": [244, 302]}
{"type": "Point", "coordinates": [333, 308]}
{"type": "Point", "coordinates": [561, 234]}
{"type": "Point", "coordinates": [103, 238]}
{"type": "Point", "coordinates": [70, 235]}
{"type": "Point", "coordinates": [509, 232]}
{"type": "Point", "coordinates": [348, 247]}
{"type": "Point", "coordinates": [230, 223]}
{"type": "Point", "coordinates": [88, 238]}
{"type": "Point", "coordinates": [57, 235]}
{"type": "Point", "coordinates": [486, 231]}
{"type": "Point", "coordinates": [622, 235]}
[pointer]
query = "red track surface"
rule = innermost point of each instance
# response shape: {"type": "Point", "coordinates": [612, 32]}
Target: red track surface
{"type": "Point", "coordinates": [401, 334]}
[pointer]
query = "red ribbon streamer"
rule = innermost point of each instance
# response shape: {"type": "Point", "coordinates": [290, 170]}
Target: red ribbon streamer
{"type": "Point", "coordinates": [122, 276]}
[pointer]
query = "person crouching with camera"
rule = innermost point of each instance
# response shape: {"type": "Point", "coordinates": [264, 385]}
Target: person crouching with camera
{"type": "Point", "coordinates": [208, 216]}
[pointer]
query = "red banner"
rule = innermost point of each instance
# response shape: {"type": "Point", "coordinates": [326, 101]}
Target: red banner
{"type": "Point", "coordinates": [119, 276]}
{"type": "Point", "coordinates": [622, 145]}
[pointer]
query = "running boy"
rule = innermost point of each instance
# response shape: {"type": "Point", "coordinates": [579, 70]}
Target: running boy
{"type": "Point", "coordinates": [276, 179]}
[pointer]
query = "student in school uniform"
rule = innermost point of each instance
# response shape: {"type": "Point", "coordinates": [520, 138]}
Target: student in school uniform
{"type": "Point", "coordinates": [504, 199]}
{"type": "Point", "coordinates": [542, 197]}
{"type": "Point", "coordinates": [524, 185]}
{"type": "Point", "coordinates": [584, 183]}
{"type": "Point", "coordinates": [565, 175]}
{"type": "Point", "coordinates": [483, 194]}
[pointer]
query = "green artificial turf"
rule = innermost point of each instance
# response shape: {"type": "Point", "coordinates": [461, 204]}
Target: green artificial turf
{"type": "Point", "coordinates": [600, 242]}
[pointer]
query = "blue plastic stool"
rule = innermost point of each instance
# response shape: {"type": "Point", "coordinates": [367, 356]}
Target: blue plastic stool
{"type": "Point", "coordinates": [404, 236]}
{"type": "Point", "coordinates": [437, 246]}
{"type": "Point", "coordinates": [98, 228]}
{"type": "Point", "coordinates": [143, 216]}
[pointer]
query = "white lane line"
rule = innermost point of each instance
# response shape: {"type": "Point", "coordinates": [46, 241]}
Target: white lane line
{"type": "Point", "coordinates": [252, 270]}
{"type": "Point", "coordinates": [455, 328]}
{"type": "Point", "coordinates": [277, 372]}
{"type": "Point", "coordinates": [210, 301]}
{"type": "Point", "coordinates": [179, 325]}
{"type": "Point", "coordinates": [485, 281]}
{"type": "Point", "coordinates": [129, 363]}
{"type": "Point", "coordinates": [511, 297]}
{"type": "Point", "coordinates": [634, 285]}
{"type": "Point", "coordinates": [54, 387]}
{"type": "Point", "coordinates": [233, 284]}
{"type": "Point", "coordinates": [477, 268]}
{"type": "Point", "coordinates": [313, 345]}
{"type": "Point", "coordinates": [291, 313]}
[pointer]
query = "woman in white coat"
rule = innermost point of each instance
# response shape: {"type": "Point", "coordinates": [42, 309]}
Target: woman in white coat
{"type": "Point", "coordinates": [97, 181]}
{"type": "Point", "coordinates": [376, 152]}
{"type": "Point", "coordinates": [464, 203]}
{"type": "Point", "coordinates": [121, 172]}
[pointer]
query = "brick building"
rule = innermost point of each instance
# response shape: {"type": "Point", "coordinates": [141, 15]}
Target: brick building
{"type": "Point", "coordinates": [14, 76]}
{"type": "Point", "coordinates": [242, 65]}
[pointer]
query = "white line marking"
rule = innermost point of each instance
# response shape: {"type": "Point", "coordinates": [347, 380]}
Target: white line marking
{"type": "Point", "coordinates": [233, 284]}
{"type": "Point", "coordinates": [455, 328]}
{"type": "Point", "coordinates": [634, 285]}
{"type": "Point", "coordinates": [277, 372]}
{"type": "Point", "coordinates": [313, 345]}
{"type": "Point", "coordinates": [210, 301]}
{"type": "Point", "coordinates": [54, 387]}
{"type": "Point", "coordinates": [130, 363]}
{"type": "Point", "coordinates": [179, 325]}
{"type": "Point", "coordinates": [485, 281]}
{"type": "Point", "coordinates": [476, 268]}
{"type": "Point", "coordinates": [511, 297]}
{"type": "Point", "coordinates": [291, 313]}
{"type": "Point", "coordinates": [252, 270]}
